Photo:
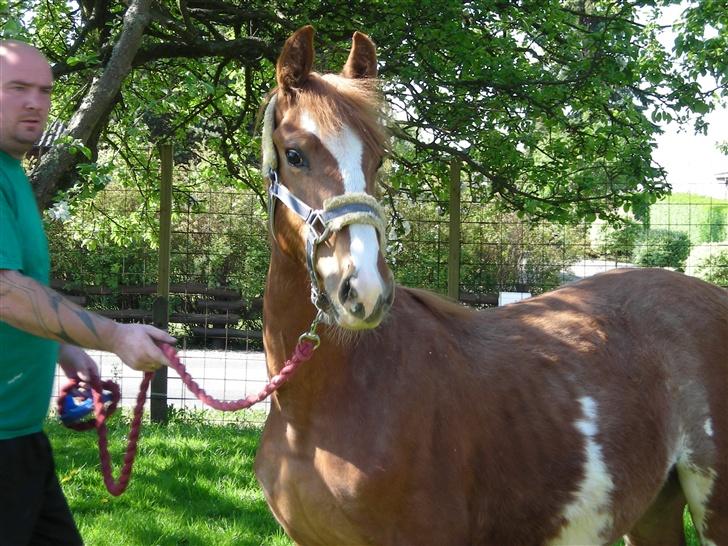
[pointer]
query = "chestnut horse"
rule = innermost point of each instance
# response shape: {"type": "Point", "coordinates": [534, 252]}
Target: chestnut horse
{"type": "Point", "coordinates": [591, 412]}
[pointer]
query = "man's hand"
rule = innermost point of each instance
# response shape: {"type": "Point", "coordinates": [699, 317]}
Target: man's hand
{"type": "Point", "coordinates": [136, 345]}
{"type": "Point", "coordinates": [76, 363]}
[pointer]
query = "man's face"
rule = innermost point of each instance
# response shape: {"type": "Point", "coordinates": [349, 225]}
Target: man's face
{"type": "Point", "coordinates": [25, 97]}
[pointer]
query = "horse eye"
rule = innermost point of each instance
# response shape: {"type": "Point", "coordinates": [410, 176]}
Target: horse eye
{"type": "Point", "coordinates": [294, 158]}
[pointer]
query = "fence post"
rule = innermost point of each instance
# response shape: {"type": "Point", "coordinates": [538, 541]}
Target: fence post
{"type": "Point", "coordinates": [158, 401]}
{"type": "Point", "coordinates": [453, 259]}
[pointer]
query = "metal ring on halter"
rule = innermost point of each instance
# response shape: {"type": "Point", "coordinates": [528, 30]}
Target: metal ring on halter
{"type": "Point", "coordinates": [311, 335]}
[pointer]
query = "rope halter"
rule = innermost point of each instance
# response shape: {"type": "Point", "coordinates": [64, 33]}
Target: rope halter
{"type": "Point", "coordinates": [337, 213]}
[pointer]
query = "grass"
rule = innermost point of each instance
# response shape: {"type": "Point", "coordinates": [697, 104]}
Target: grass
{"type": "Point", "coordinates": [702, 218]}
{"type": "Point", "coordinates": [193, 484]}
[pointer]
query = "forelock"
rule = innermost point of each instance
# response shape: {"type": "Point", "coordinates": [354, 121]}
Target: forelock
{"type": "Point", "coordinates": [333, 101]}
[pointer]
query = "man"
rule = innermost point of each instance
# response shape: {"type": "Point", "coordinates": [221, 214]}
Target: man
{"type": "Point", "coordinates": [39, 327]}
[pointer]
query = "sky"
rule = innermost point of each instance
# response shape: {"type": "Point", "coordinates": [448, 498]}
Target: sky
{"type": "Point", "coordinates": [692, 161]}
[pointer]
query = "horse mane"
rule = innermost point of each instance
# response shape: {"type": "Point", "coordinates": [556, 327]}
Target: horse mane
{"type": "Point", "coordinates": [437, 304]}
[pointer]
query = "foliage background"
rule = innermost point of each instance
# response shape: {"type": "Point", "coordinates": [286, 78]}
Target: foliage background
{"type": "Point", "coordinates": [551, 106]}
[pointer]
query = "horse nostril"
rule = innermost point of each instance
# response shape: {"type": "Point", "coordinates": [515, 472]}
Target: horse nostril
{"type": "Point", "coordinates": [344, 290]}
{"type": "Point", "coordinates": [347, 292]}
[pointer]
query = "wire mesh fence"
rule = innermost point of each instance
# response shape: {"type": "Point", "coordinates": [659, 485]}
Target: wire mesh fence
{"type": "Point", "coordinates": [105, 257]}
{"type": "Point", "coordinates": [104, 254]}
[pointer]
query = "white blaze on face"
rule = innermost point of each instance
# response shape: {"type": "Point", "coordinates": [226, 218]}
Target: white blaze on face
{"type": "Point", "coordinates": [364, 255]}
{"type": "Point", "coordinates": [347, 148]}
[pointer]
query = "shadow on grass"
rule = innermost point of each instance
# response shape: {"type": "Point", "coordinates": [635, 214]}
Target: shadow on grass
{"type": "Point", "coordinates": [191, 485]}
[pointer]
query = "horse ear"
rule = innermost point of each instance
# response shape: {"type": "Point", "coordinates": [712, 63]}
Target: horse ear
{"type": "Point", "coordinates": [362, 62]}
{"type": "Point", "coordinates": [296, 60]}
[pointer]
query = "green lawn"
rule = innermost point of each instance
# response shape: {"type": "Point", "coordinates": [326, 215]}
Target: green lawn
{"type": "Point", "coordinates": [192, 484]}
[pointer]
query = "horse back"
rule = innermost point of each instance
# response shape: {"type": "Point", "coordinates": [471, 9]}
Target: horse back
{"type": "Point", "coordinates": [623, 367]}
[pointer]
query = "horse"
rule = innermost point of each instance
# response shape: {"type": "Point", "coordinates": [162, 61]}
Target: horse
{"type": "Point", "coordinates": [586, 414]}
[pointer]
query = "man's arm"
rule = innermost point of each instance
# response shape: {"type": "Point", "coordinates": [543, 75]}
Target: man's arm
{"type": "Point", "coordinates": [32, 307]}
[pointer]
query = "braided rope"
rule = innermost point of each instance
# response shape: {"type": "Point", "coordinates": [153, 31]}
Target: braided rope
{"type": "Point", "coordinates": [303, 352]}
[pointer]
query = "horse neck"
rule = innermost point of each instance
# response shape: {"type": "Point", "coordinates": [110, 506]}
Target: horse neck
{"type": "Point", "coordinates": [287, 313]}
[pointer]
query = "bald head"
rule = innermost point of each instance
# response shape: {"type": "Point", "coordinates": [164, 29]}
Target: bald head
{"type": "Point", "coordinates": [25, 96]}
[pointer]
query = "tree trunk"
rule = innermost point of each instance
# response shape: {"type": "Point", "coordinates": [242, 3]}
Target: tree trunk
{"type": "Point", "coordinates": [61, 159]}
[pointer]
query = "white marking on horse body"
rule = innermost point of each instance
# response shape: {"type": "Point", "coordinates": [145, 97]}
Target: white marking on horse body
{"type": "Point", "coordinates": [708, 427]}
{"type": "Point", "coordinates": [697, 485]}
{"type": "Point", "coordinates": [588, 517]}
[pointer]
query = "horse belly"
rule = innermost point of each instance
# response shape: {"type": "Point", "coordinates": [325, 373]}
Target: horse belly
{"type": "Point", "coordinates": [325, 502]}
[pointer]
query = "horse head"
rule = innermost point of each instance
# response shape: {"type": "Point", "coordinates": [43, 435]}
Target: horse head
{"type": "Point", "coordinates": [323, 144]}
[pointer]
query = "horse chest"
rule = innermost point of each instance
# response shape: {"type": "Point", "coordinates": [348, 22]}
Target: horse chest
{"type": "Point", "coordinates": [313, 493]}
{"type": "Point", "coordinates": [307, 509]}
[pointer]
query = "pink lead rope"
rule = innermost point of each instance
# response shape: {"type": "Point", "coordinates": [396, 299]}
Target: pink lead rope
{"type": "Point", "coordinates": [307, 344]}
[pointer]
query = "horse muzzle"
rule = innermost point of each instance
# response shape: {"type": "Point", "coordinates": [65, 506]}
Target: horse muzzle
{"type": "Point", "coordinates": [354, 292]}
{"type": "Point", "coordinates": [362, 301]}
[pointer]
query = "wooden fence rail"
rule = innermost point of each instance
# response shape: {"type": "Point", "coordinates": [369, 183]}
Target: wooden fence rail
{"type": "Point", "coordinates": [210, 312]}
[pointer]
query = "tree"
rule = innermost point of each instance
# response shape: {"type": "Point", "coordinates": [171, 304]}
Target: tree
{"type": "Point", "coordinates": [714, 269]}
{"type": "Point", "coordinates": [551, 105]}
{"type": "Point", "coordinates": [663, 248]}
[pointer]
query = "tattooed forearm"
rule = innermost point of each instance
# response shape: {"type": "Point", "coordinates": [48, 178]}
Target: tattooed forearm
{"type": "Point", "coordinates": [62, 306]}
{"type": "Point", "coordinates": [35, 308]}
{"type": "Point", "coordinates": [55, 302]}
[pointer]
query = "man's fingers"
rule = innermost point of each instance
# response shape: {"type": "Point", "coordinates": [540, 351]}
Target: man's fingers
{"type": "Point", "coordinates": [155, 355]}
{"type": "Point", "coordinates": [140, 347]}
{"type": "Point", "coordinates": [161, 335]}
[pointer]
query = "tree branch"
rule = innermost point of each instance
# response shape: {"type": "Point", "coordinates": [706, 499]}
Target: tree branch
{"type": "Point", "coordinates": [60, 159]}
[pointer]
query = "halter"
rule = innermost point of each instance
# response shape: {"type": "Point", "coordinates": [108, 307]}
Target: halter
{"type": "Point", "coordinates": [338, 212]}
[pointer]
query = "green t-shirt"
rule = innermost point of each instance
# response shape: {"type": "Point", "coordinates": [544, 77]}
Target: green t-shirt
{"type": "Point", "coordinates": [27, 362]}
